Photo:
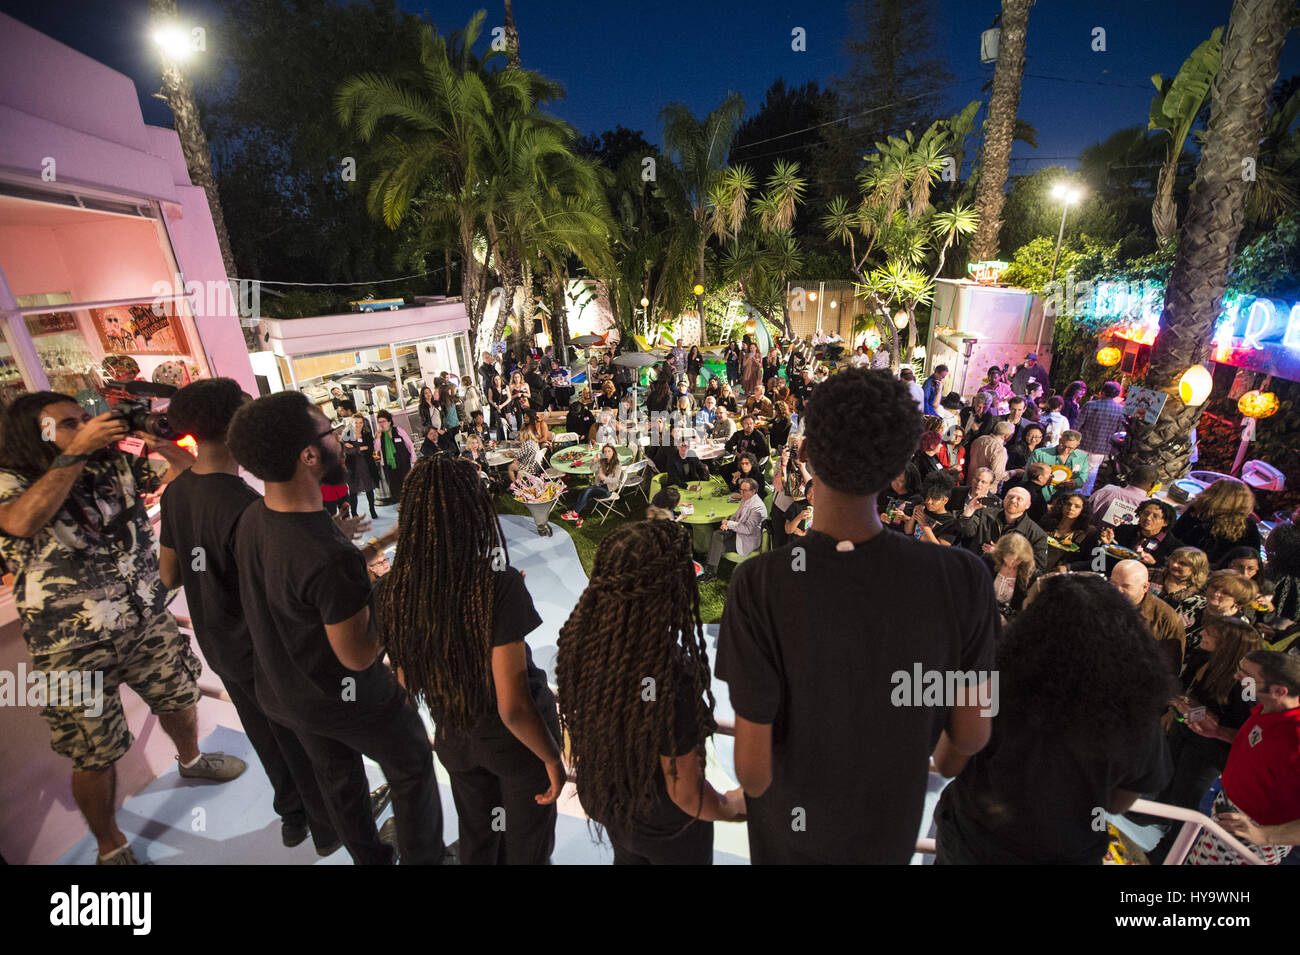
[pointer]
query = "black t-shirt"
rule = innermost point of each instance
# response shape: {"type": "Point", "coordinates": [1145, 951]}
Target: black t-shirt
{"type": "Point", "coordinates": [513, 616]}
{"type": "Point", "coordinates": [849, 768]}
{"type": "Point", "coordinates": [1029, 797]}
{"type": "Point", "coordinates": [943, 525]}
{"type": "Point", "coordinates": [297, 573]}
{"type": "Point", "coordinates": [667, 820]}
{"type": "Point", "coordinates": [201, 510]}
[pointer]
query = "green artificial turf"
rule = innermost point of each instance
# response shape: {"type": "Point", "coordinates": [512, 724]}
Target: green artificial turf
{"type": "Point", "coordinates": [588, 537]}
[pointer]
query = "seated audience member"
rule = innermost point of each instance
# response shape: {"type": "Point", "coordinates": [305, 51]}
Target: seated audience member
{"type": "Point", "coordinates": [685, 467]}
{"type": "Point", "coordinates": [903, 493]}
{"type": "Point", "coordinates": [1019, 452]}
{"type": "Point", "coordinates": [785, 688]}
{"type": "Point", "coordinates": [933, 522]}
{"type": "Point", "coordinates": [1202, 721]}
{"type": "Point", "coordinates": [758, 404]}
{"type": "Point", "coordinates": [663, 506]}
{"type": "Point", "coordinates": [981, 525]}
{"type": "Point", "coordinates": [747, 467]}
{"type": "Point", "coordinates": [989, 451]}
{"type": "Point", "coordinates": [952, 453]}
{"type": "Point", "coordinates": [1130, 578]}
{"type": "Point", "coordinates": [545, 437]}
{"type": "Point", "coordinates": [528, 459]}
{"type": "Point", "coordinates": [724, 426]}
{"type": "Point", "coordinates": [779, 430]}
{"type": "Point", "coordinates": [1031, 796]}
{"type": "Point", "coordinates": [606, 477]}
{"type": "Point", "coordinates": [1150, 538]}
{"type": "Point", "coordinates": [644, 783]}
{"type": "Point", "coordinates": [604, 430]}
{"type": "Point", "coordinates": [1067, 528]}
{"type": "Point", "coordinates": [1140, 482]}
{"type": "Point", "coordinates": [455, 624]}
{"type": "Point", "coordinates": [1065, 453]}
{"type": "Point", "coordinates": [1259, 801]}
{"type": "Point", "coordinates": [706, 416]}
{"type": "Point", "coordinates": [1011, 565]}
{"type": "Point", "coordinates": [749, 440]}
{"type": "Point", "coordinates": [479, 427]}
{"type": "Point", "coordinates": [926, 457]}
{"type": "Point", "coordinates": [742, 532]}
{"type": "Point", "coordinates": [982, 486]}
{"type": "Point", "coordinates": [579, 420]}
{"type": "Point", "coordinates": [475, 453]}
{"type": "Point", "coordinates": [1219, 519]}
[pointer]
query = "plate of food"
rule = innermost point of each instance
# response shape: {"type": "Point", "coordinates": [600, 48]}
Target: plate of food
{"type": "Point", "coordinates": [1121, 553]}
{"type": "Point", "coordinates": [1066, 545]}
{"type": "Point", "coordinates": [1061, 473]}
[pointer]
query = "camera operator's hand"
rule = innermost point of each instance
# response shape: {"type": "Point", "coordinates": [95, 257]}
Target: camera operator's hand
{"type": "Point", "coordinates": [98, 433]}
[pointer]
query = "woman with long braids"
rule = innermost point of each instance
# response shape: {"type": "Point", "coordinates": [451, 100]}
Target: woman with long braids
{"type": "Point", "coordinates": [454, 615]}
{"type": "Point", "coordinates": [636, 700]}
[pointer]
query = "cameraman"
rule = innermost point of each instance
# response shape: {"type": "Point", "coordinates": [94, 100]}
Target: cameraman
{"type": "Point", "coordinates": [75, 530]}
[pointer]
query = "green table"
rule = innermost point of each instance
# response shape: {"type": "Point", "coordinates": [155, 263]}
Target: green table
{"type": "Point", "coordinates": [580, 460]}
{"type": "Point", "coordinates": [711, 508]}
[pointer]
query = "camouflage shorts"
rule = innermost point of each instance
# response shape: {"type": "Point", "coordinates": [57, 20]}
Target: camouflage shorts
{"type": "Point", "coordinates": [154, 659]}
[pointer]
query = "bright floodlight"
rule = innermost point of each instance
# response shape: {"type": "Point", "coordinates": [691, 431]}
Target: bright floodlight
{"type": "Point", "coordinates": [1066, 192]}
{"type": "Point", "coordinates": [173, 41]}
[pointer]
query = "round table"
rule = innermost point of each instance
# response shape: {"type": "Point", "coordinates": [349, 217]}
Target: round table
{"type": "Point", "coordinates": [582, 459]}
{"type": "Point", "coordinates": [500, 457]}
{"type": "Point", "coordinates": [711, 450]}
{"type": "Point", "coordinates": [711, 507]}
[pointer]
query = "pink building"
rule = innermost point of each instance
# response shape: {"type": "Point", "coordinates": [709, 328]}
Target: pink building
{"type": "Point", "coordinates": [97, 220]}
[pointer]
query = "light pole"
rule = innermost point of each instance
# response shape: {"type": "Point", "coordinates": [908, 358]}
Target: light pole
{"type": "Point", "coordinates": [1067, 195]}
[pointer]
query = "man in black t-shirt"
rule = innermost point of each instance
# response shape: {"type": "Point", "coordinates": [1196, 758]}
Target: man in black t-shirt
{"type": "Point", "coordinates": [199, 514]}
{"type": "Point", "coordinates": [749, 440]}
{"type": "Point", "coordinates": [317, 663]}
{"type": "Point", "coordinates": [833, 742]}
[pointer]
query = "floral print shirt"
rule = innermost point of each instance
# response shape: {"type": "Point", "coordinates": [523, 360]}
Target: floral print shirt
{"type": "Point", "coordinates": [92, 570]}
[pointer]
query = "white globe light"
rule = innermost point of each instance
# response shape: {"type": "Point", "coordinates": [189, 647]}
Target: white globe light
{"type": "Point", "coordinates": [900, 319]}
{"type": "Point", "coordinates": [174, 42]}
{"type": "Point", "coordinates": [834, 304]}
{"type": "Point", "coordinates": [1194, 386]}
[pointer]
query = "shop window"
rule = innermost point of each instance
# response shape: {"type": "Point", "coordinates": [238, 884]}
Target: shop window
{"type": "Point", "coordinates": [11, 379]}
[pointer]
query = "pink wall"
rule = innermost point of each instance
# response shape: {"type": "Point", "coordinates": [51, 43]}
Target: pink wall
{"type": "Point", "coordinates": [56, 102]}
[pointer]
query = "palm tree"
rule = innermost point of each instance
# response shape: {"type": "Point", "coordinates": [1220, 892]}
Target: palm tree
{"type": "Point", "coordinates": [999, 130]}
{"type": "Point", "coordinates": [699, 151]}
{"type": "Point", "coordinates": [433, 121]}
{"type": "Point", "coordinates": [1174, 110]}
{"type": "Point", "coordinates": [1215, 214]}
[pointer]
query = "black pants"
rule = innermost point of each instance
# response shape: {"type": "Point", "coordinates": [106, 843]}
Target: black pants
{"type": "Point", "coordinates": [692, 846]}
{"type": "Point", "coordinates": [370, 499]}
{"type": "Point", "coordinates": [493, 781]}
{"type": "Point", "coordinates": [395, 738]}
{"type": "Point", "coordinates": [297, 796]}
{"type": "Point", "coordinates": [1197, 764]}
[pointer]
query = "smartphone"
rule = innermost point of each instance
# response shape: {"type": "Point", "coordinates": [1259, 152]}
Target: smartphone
{"type": "Point", "coordinates": [1196, 714]}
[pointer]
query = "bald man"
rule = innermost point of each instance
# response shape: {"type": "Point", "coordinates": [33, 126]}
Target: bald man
{"type": "Point", "coordinates": [980, 525]}
{"type": "Point", "coordinates": [1130, 578]}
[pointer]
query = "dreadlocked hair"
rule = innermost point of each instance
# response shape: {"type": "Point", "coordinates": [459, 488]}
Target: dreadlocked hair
{"type": "Point", "coordinates": [437, 600]}
{"type": "Point", "coordinates": [638, 618]}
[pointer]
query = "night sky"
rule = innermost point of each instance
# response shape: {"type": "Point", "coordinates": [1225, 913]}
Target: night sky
{"type": "Point", "coordinates": [622, 61]}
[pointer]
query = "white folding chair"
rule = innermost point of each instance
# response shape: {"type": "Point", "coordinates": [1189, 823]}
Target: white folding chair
{"type": "Point", "coordinates": [608, 505]}
{"type": "Point", "coordinates": [634, 477]}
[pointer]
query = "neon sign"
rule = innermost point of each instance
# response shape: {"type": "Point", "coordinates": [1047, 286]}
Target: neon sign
{"type": "Point", "coordinates": [1259, 334]}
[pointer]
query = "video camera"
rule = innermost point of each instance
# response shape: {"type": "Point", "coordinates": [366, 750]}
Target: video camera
{"type": "Point", "coordinates": [134, 407]}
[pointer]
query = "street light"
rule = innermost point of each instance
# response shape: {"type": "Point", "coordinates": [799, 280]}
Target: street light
{"type": "Point", "coordinates": [1067, 194]}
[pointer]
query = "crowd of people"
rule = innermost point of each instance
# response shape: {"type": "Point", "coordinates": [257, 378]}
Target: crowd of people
{"type": "Point", "coordinates": [1110, 647]}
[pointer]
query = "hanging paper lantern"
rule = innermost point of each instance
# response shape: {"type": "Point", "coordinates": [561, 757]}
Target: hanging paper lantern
{"type": "Point", "coordinates": [508, 331]}
{"type": "Point", "coordinates": [698, 290]}
{"type": "Point", "coordinates": [900, 319]}
{"type": "Point", "coordinates": [1110, 355]}
{"type": "Point", "coordinates": [1194, 387]}
{"type": "Point", "coordinates": [1257, 404]}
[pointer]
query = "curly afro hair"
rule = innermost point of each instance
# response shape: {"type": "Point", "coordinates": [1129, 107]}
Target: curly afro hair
{"type": "Point", "coordinates": [267, 435]}
{"type": "Point", "coordinates": [203, 409]}
{"type": "Point", "coordinates": [1100, 647]}
{"type": "Point", "coordinates": [862, 428]}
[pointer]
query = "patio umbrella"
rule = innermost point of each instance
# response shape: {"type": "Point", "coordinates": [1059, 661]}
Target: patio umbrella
{"type": "Point", "coordinates": [365, 379]}
{"type": "Point", "coordinates": [584, 341]}
{"type": "Point", "coordinates": [637, 359]}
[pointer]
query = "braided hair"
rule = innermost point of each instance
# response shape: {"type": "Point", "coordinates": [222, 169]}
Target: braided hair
{"type": "Point", "coordinates": [638, 618]}
{"type": "Point", "coordinates": [437, 601]}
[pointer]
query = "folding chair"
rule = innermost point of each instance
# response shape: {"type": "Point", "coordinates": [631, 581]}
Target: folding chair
{"type": "Point", "coordinates": [608, 505]}
{"type": "Point", "coordinates": [764, 544]}
{"type": "Point", "coordinates": [638, 470]}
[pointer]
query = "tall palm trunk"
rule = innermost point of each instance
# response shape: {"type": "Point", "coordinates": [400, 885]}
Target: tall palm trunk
{"type": "Point", "coordinates": [512, 36]}
{"type": "Point", "coordinates": [1000, 129]}
{"type": "Point", "coordinates": [1164, 214]}
{"type": "Point", "coordinates": [1215, 214]}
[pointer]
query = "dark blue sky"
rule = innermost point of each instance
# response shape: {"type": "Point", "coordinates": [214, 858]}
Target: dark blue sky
{"type": "Point", "coordinates": [622, 60]}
